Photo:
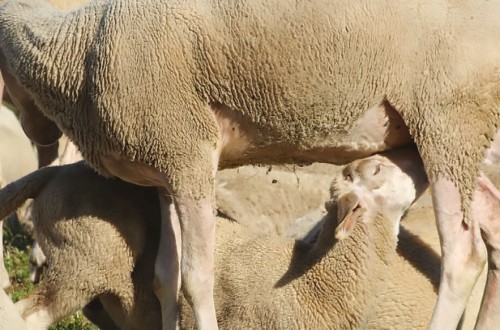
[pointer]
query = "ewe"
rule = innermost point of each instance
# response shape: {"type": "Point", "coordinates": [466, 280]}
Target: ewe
{"type": "Point", "coordinates": [164, 93]}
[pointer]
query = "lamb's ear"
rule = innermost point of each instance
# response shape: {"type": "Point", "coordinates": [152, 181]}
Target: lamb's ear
{"type": "Point", "coordinates": [348, 213]}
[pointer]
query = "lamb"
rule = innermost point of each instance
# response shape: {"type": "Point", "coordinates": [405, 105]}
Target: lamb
{"type": "Point", "coordinates": [17, 158]}
{"type": "Point", "coordinates": [79, 218]}
{"type": "Point", "coordinates": [337, 282]}
{"type": "Point", "coordinates": [217, 84]}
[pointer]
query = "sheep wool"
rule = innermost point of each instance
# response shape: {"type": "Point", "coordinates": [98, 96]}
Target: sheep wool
{"type": "Point", "coordinates": [216, 84]}
{"type": "Point", "coordinates": [100, 80]}
{"type": "Point", "coordinates": [94, 231]}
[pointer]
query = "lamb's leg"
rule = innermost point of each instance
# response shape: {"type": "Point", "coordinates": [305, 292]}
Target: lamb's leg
{"type": "Point", "coordinates": [463, 254]}
{"type": "Point", "coordinates": [167, 273]}
{"type": "Point", "coordinates": [487, 209]}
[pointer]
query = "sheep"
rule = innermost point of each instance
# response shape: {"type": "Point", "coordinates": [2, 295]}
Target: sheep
{"type": "Point", "coordinates": [218, 84]}
{"type": "Point", "coordinates": [93, 231]}
{"type": "Point", "coordinates": [17, 158]}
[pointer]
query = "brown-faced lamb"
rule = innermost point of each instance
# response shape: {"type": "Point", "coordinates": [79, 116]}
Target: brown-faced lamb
{"type": "Point", "coordinates": [216, 83]}
{"type": "Point", "coordinates": [17, 158]}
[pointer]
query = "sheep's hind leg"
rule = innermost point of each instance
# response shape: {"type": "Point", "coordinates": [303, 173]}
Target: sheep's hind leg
{"type": "Point", "coordinates": [4, 275]}
{"type": "Point", "coordinates": [197, 224]}
{"type": "Point", "coordinates": [463, 254]}
{"type": "Point", "coordinates": [487, 209]}
{"type": "Point", "coordinates": [193, 217]}
{"type": "Point", "coordinates": [167, 266]}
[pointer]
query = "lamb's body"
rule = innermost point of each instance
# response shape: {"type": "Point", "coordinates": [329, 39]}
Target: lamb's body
{"type": "Point", "coordinates": [250, 270]}
{"type": "Point", "coordinates": [93, 231]}
{"type": "Point", "coordinates": [231, 83]}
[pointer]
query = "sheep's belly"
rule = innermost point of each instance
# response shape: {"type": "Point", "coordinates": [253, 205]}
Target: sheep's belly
{"type": "Point", "coordinates": [380, 128]}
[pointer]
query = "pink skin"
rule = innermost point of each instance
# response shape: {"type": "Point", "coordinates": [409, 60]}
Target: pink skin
{"type": "Point", "coordinates": [486, 207]}
{"type": "Point", "coordinates": [463, 254]}
{"type": "Point", "coordinates": [167, 261]}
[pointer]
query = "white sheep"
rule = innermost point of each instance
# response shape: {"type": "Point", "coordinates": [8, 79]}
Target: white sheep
{"type": "Point", "coordinates": [93, 231]}
{"type": "Point", "coordinates": [215, 84]}
{"type": "Point", "coordinates": [17, 158]}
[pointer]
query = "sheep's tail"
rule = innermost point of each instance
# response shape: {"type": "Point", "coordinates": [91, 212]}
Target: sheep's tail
{"type": "Point", "coordinates": [13, 195]}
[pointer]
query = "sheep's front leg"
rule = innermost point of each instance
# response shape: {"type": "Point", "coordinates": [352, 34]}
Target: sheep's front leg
{"type": "Point", "coordinates": [463, 254]}
{"type": "Point", "coordinates": [486, 207]}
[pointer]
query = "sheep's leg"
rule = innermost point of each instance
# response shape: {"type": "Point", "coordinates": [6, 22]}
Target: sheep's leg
{"type": "Point", "coordinates": [487, 209]}
{"type": "Point", "coordinates": [463, 254]}
{"type": "Point", "coordinates": [197, 224]}
{"type": "Point", "coordinates": [167, 272]}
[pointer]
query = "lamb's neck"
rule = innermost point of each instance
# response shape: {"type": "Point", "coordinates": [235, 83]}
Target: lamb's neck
{"type": "Point", "coordinates": [351, 271]}
{"type": "Point", "coordinates": [46, 49]}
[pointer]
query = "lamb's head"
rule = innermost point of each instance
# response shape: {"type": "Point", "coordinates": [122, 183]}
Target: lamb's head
{"type": "Point", "coordinates": [371, 187]}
